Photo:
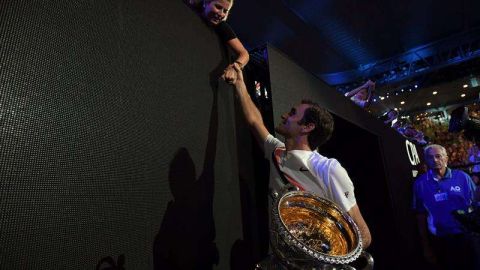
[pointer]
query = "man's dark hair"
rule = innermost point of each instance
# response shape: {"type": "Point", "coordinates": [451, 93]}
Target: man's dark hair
{"type": "Point", "coordinates": [322, 120]}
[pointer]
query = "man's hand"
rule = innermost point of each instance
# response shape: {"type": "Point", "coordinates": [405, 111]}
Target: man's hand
{"type": "Point", "coordinates": [239, 73]}
{"type": "Point", "coordinates": [230, 74]}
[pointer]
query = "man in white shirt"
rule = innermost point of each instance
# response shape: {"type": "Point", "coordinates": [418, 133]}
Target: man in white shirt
{"type": "Point", "coordinates": [304, 128]}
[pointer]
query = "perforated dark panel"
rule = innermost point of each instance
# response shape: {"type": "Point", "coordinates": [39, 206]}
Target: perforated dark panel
{"type": "Point", "coordinates": [106, 110]}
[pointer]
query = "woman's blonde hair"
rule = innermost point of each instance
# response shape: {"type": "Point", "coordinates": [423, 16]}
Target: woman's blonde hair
{"type": "Point", "coordinates": [202, 3]}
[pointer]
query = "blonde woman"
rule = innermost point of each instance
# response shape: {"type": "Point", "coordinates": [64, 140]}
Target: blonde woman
{"type": "Point", "coordinates": [215, 13]}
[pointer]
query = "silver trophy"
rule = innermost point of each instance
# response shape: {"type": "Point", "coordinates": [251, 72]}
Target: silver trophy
{"type": "Point", "coordinates": [309, 232]}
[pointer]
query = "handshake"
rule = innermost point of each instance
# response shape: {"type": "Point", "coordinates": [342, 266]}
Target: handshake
{"type": "Point", "coordinates": [233, 74]}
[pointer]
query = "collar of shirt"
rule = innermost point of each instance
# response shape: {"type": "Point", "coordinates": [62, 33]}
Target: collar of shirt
{"type": "Point", "coordinates": [295, 156]}
{"type": "Point", "coordinates": [448, 174]}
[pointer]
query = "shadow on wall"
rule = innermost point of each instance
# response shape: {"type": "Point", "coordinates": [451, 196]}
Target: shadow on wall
{"type": "Point", "coordinates": [186, 239]}
{"type": "Point", "coordinates": [241, 255]}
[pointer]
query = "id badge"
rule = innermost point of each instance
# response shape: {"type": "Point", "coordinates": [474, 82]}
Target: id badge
{"type": "Point", "coordinates": [439, 197]}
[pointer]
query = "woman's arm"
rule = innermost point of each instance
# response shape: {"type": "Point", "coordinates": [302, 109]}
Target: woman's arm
{"type": "Point", "coordinates": [242, 54]}
{"type": "Point", "coordinates": [356, 90]}
{"type": "Point", "coordinates": [366, 85]}
{"type": "Point", "coordinates": [229, 74]}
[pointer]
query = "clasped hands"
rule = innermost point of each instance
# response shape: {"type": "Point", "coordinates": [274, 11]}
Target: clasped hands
{"type": "Point", "coordinates": [232, 73]}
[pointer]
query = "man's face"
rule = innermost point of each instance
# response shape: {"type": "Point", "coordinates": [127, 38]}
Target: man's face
{"type": "Point", "coordinates": [289, 126]}
{"type": "Point", "coordinates": [216, 11]}
{"type": "Point", "coordinates": [435, 159]}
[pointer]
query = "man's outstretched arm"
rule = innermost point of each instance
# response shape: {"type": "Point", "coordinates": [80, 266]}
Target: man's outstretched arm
{"type": "Point", "coordinates": [250, 111]}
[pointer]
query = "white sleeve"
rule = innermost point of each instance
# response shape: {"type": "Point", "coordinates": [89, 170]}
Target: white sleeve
{"type": "Point", "coordinates": [341, 187]}
{"type": "Point", "coordinates": [270, 144]}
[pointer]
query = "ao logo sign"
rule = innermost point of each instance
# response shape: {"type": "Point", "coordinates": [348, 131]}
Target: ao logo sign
{"type": "Point", "coordinates": [412, 153]}
{"type": "Point", "coordinates": [455, 188]}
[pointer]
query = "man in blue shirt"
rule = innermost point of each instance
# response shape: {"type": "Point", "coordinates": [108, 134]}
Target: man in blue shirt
{"type": "Point", "coordinates": [438, 193]}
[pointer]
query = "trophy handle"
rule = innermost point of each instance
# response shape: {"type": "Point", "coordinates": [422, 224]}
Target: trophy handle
{"type": "Point", "coordinates": [364, 261]}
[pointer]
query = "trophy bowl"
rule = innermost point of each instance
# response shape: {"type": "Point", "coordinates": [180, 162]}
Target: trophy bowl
{"type": "Point", "coordinates": [309, 232]}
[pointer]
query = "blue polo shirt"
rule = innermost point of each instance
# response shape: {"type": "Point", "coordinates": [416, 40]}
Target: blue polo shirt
{"type": "Point", "coordinates": [438, 199]}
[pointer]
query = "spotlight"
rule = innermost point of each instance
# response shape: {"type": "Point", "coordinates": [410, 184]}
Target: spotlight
{"type": "Point", "coordinates": [465, 85]}
{"type": "Point", "coordinates": [462, 95]}
{"type": "Point", "coordinates": [434, 92]}
{"type": "Point", "coordinates": [428, 103]}
{"type": "Point", "coordinates": [403, 102]}
{"type": "Point", "coordinates": [416, 85]}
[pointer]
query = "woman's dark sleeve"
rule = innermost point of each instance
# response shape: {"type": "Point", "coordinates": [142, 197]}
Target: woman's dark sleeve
{"type": "Point", "coordinates": [225, 32]}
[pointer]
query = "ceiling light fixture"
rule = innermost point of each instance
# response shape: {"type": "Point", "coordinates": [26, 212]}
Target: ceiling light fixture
{"type": "Point", "coordinates": [434, 92]}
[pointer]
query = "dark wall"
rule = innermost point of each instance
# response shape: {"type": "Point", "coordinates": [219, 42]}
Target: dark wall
{"type": "Point", "coordinates": [115, 138]}
{"type": "Point", "coordinates": [374, 155]}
